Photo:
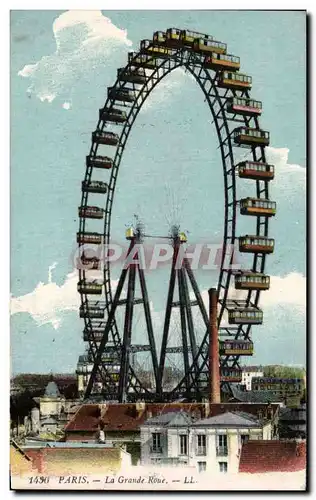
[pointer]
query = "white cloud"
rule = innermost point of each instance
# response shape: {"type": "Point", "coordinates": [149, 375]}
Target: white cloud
{"type": "Point", "coordinates": [289, 289]}
{"type": "Point", "coordinates": [66, 105]}
{"type": "Point", "coordinates": [28, 70]}
{"type": "Point", "coordinates": [280, 157]}
{"type": "Point", "coordinates": [84, 40]}
{"type": "Point", "coordinates": [50, 271]}
{"type": "Point", "coordinates": [45, 96]}
{"type": "Point", "coordinates": [48, 302]}
{"type": "Point", "coordinates": [289, 179]}
{"type": "Point", "coordinates": [166, 89]}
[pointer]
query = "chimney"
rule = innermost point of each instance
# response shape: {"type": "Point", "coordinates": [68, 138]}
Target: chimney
{"type": "Point", "coordinates": [206, 405]}
{"type": "Point", "coordinates": [140, 408]}
{"type": "Point", "coordinates": [103, 410]}
{"type": "Point", "coordinates": [214, 375]}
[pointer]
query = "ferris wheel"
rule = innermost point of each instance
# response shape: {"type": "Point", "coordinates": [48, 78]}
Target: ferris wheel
{"type": "Point", "coordinates": [107, 368]}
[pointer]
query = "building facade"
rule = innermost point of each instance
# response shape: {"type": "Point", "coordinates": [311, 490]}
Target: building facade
{"type": "Point", "coordinates": [208, 444]}
{"type": "Point", "coordinates": [56, 458]}
{"type": "Point", "coordinates": [289, 389]}
{"type": "Point", "coordinates": [292, 423]}
{"type": "Point", "coordinates": [120, 423]}
{"type": "Point", "coordinates": [248, 373]}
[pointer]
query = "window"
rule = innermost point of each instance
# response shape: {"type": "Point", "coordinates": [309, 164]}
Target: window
{"type": "Point", "coordinates": [201, 466]}
{"type": "Point", "coordinates": [183, 444]}
{"type": "Point", "coordinates": [244, 438]}
{"type": "Point", "coordinates": [222, 467]}
{"type": "Point", "coordinates": [201, 444]}
{"type": "Point", "coordinates": [221, 449]}
{"type": "Point", "coordinates": [156, 442]}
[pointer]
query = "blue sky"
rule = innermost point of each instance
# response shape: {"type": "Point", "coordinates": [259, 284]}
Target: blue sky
{"type": "Point", "coordinates": [61, 65]}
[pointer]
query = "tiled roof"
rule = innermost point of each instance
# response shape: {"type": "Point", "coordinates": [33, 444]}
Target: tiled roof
{"type": "Point", "coordinates": [252, 368]}
{"type": "Point", "coordinates": [272, 456]}
{"type": "Point", "coordinates": [122, 416]}
{"type": "Point", "coordinates": [276, 380]}
{"type": "Point", "coordinates": [255, 396]}
{"type": "Point", "coordinates": [87, 418]}
{"type": "Point", "coordinates": [230, 419]}
{"type": "Point", "coordinates": [126, 417]}
{"type": "Point", "coordinates": [256, 409]}
{"type": "Point", "coordinates": [170, 419]}
{"type": "Point", "coordinates": [68, 444]}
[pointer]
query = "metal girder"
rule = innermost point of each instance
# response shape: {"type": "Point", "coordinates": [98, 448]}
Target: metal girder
{"type": "Point", "coordinates": [172, 281]}
{"type": "Point", "coordinates": [127, 335]}
{"type": "Point", "coordinates": [133, 348]}
{"type": "Point", "coordinates": [123, 351]}
{"type": "Point", "coordinates": [183, 327]}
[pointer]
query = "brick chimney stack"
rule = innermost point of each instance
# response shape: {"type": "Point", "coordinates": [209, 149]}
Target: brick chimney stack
{"type": "Point", "coordinates": [140, 407]}
{"type": "Point", "coordinates": [214, 374]}
{"type": "Point", "coordinates": [103, 408]}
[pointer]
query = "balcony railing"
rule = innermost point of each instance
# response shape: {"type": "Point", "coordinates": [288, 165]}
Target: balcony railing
{"type": "Point", "coordinates": [201, 451]}
{"type": "Point", "coordinates": [155, 449]}
{"type": "Point", "coordinates": [221, 451]}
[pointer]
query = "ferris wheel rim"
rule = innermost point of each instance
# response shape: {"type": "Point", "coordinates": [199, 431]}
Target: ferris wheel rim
{"type": "Point", "coordinates": [224, 279]}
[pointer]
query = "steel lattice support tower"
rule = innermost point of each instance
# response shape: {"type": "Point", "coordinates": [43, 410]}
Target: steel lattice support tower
{"type": "Point", "coordinates": [132, 267]}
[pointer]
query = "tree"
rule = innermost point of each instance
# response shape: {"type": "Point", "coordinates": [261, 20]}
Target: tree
{"type": "Point", "coordinates": [280, 371]}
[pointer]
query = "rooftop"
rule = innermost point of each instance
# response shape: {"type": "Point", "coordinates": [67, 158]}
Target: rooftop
{"type": "Point", "coordinates": [277, 380]}
{"type": "Point", "coordinates": [259, 396]}
{"type": "Point", "coordinates": [60, 444]}
{"type": "Point", "coordinates": [171, 419]}
{"type": "Point", "coordinates": [252, 368]}
{"type": "Point", "coordinates": [230, 419]}
{"type": "Point", "coordinates": [129, 417]}
{"type": "Point", "coordinates": [272, 456]}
